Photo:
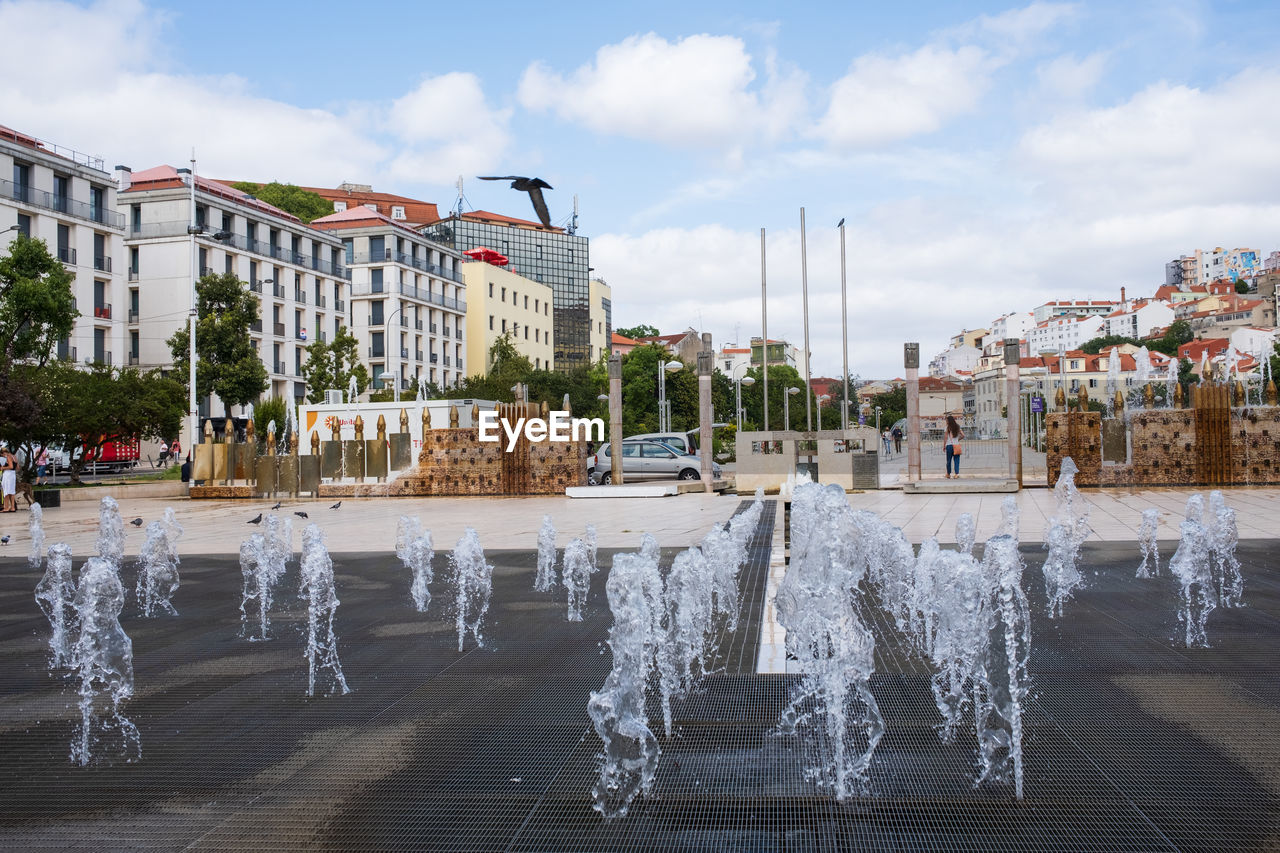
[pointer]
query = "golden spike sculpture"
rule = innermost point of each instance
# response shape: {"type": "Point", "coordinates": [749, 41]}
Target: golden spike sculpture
{"type": "Point", "coordinates": [228, 431]}
{"type": "Point", "coordinates": [1119, 405]}
{"type": "Point", "coordinates": [315, 442]}
{"type": "Point", "coordinates": [337, 429]}
{"type": "Point", "coordinates": [248, 432]}
{"type": "Point", "coordinates": [1060, 400]}
{"type": "Point", "coordinates": [426, 420]}
{"type": "Point", "coordinates": [1177, 395]}
{"type": "Point", "coordinates": [208, 432]}
{"type": "Point", "coordinates": [475, 414]}
{"type": "Point", "coordinates": [271, 443]}
{"type": "Point", "coordinates": [382, 428]}
{"type": "Point", "coordinates": [359, 427]}
{"type": "Point", "coordinates": [1271, 392]}
{"type": "Point", "coordinates": [404, 421]}
{"type": "Point", "coordinates": [1082, 397]}
{"type": "Point", "coordinates": [453, 417]}
{"type": "Point", "coordinates": [1240, 397]}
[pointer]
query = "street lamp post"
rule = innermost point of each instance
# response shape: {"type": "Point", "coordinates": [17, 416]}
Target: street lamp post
{"type": "Point", "coordinates": [786, 406]}
{"type": "Point", "coordinates": [386, 342]}
{"type": "Point", "coordinates": [738, 382]}
{"type": "Point", "coordinates": [664, 416]}
{"type": "Point", "coordinates": [877, 420]}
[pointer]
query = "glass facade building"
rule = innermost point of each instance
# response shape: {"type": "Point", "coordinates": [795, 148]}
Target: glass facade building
{"type": "Point", "coordinates": [548, 255]}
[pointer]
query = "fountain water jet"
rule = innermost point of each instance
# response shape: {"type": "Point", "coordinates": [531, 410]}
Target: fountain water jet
{"type": "Point", "coordinates": [1192, 566]}
{"type": "Point", "coordinates": [56, 594]}
{"type": "Point", "coordinates": [545, 580]}
{"type": "Point", "coordinates": [578, 569]}
{"type": "Point", "coordinates": [110, 544]}
{"type": "Point", "coordinates": [322, 605]}
{"type": "Point", "coordinates": [965, 533]}
{"type": "Point", "coordinates": [473, 583]}
{"type": "Point", "coordinates": [103, 662]}
{"type": "Point", "coordinates": [1147, 544]}
{"type": "Point", "coordinates": [35, 528]}
{"type": "Point", "coordinates": [415, 549]}
{"type": "Point", "coordinates": [998, 715]}
{"type": "Point", "coordinates": [1224, 536]}
{"type": "Point", "coordinates": [157, 572]}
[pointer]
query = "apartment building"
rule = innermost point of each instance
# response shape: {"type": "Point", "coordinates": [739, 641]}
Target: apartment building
{"type": "Point", "coordinates": [546, 254]}
{"type": "Point", "coordinates": [500, 302]}
{"type": "Point", "coordinates": [1076, 369]}
{"type": "Point", "coordinates": [296, 272]}
{"type": "Point", "coordinates": [958, 360]}
{"type": "Point", "coordinates": [1139, 319]}
{"type": "Point", "coordinates": [1201, 267]}
{"type": "Point", "coordinates": [601, 316]}
{"type": "Point", "coordinates": [67, 199]}
{"type": "Point", "coordinates": [1073, 308]}
{"type": "Point", "coordinates": [408, 298]}
{"type": "Point", "coordinates": [412, 212]}
{"type": "Point", "coordinates": [1063, 332]}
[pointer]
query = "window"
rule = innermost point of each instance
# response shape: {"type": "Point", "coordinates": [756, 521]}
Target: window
{"type": "Point", "coordinates": [491, 322]}
{"type": "Point", "coordinates": [504, 295]}
{"type": "Point", "coordinates": [397, 212]}
{"type": "Point", "coordinates": [526, 333]}
{"type": "Point", "coordinates": [375, 279]}
{"type": "Point", "coordinates": [372, 207]}
{"type": "Point", "coordinates": [339, 206]}
{"type": "Point", "coordinates": [526, 303]}
{"type": "Point", "coordinates": [490, 290]}
{"type": "Point", "coordinates": [24, 222]}
{"type": "Point", "coordinates": [376, 313]}
{"type": "Point", "coordinates": [504, 327]}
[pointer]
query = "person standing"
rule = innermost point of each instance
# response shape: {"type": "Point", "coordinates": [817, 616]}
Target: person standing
{"type": "Point", "coordinates": [952, 446]}
{"type": "Point", "coordinates": [897, 439]}
{"type": "Point", "coordinates": [8, 480]}
{"type": "Point", "coordinates": [175, 451]}
{"type": "Point", "coordinates": [42, 465]}
{"type": "Point", "coordinates": [164, 452]}
{"type": "Point", "coordinates": [884, 438]}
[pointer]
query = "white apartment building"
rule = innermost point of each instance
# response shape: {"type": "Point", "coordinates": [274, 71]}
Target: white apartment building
{"type": "Point", "coordinates": [296, 272]}
{"type": "Point", "coordinates": [1073, 308]}
{"type": "Point", "coordinates": [1139, 319]}
{"type": "Point", "coordinates": [1258, 342]}
{"type": "Point", "coordinates": [408, 298]}
{"type": "Point", "coordinates": [733, 361]}
{"type": "Point", "coordinates": [1013, 325]}
{"type": "Point", "coordinates": [957, 361]}
{"type": "Point", "coordinates": [1061, 333]}
{"type": "Point", "coordinates": [67, 199]}
{"type": "Point", "coordinates": [600, 311]}
{"type": "Point", "coordinates": [1202, 267]}
{"type": "Point", "coordinates": [500, 302]}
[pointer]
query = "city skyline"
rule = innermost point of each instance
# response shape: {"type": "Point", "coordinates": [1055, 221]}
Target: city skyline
{"type": "Point", "coordinates": [986, 160]}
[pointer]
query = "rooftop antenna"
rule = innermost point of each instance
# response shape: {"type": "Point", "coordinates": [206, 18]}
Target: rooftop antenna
{"type": "Point", "coordinates": [457, 211]}
{"type": "Point", "coordinates": [573, 223]}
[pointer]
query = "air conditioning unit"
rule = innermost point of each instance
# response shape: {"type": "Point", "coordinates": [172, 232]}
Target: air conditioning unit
{"type": "Point", "coordinates": [333, 397]}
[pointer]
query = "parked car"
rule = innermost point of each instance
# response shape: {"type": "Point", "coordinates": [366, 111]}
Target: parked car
{"type": "Point", "coordinates": [681, 442]}
{"type": "Point", "coordinates": [646, 460]}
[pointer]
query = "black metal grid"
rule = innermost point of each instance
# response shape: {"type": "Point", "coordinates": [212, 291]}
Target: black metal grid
{"type": "Point", "coordinates": [1132, 743]}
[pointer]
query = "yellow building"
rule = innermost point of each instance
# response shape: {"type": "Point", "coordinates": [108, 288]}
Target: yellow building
{"type": "Point", "coordinates": [601, 314]}
{"type": "Point", "coordinates": [499, 302]}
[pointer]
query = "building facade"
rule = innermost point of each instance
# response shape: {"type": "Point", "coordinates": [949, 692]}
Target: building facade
{"type": "Point", "coordinates": [67, 199]}
{"type": "Point", "coordinates": [1063, 333]}
{"type": "Point", "coordinates": [1139, 320]}
{"type": "Point", "coordinates": [545, 254]}
{"type": "Point", "coordinates": [601, 313]}
{"type": "Point", "coordinates": [296, 272]}
{"type": "Point", "coordinates": [501, 303]}
{"type": "Point", "coordinates": [408, 298]}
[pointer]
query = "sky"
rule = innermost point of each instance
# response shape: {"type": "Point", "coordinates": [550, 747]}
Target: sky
{"type": "Point", "coordinates": [986, 157]}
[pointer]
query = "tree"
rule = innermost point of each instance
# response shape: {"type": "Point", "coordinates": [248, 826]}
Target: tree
{"type": "Point", "coordinates": [331, 366]}
{"type": "Point", "coordinates": [641, 331]}
{"type": "Point", "coordinates": [1178, 333]}
{"type": "Point", "coordinates": [37, 309]}
{"type": "Point", "coordinates": [303, 204]}
{"type": "Point", "coordinates": [1097, 345]}
{"type": "Point", "coordinates": [1242, 286]}
{"type": "Point", "coordinates": [226, 362]}
{"type": "Point", "coordinates": [85, 410]}
{"type": "Point", "coordinates": [266, 412]}
{"type": "Point", "coordinates": [893, 406]}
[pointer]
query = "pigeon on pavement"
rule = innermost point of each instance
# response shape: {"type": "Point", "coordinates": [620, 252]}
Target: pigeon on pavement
{"type": "Point", "coordinates": [4, 540]}
{"type": "Point", "coordinates": [137, 522]}
{"type": "Point", "coordinates": [301, 514]}
{"type": "Point", "coordinates": [255, 520]}
{"type": "Point", "coordinates": [277, 506]}
{"type": "Point", "coordinates": [335, 506]}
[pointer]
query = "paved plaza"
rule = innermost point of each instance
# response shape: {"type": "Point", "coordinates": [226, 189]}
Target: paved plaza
{"type": "Point", "coordinates": [1133, 742]}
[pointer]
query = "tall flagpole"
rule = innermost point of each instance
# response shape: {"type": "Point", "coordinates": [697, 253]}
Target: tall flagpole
{"type": "Point", "coordinates": [844, 333]}
{"type": "Point", "coordinates": [804, 290]}
{"type": "Point", "coordinates": [191, 355]}
{"type": "Point", "coordinates": [764, 333]}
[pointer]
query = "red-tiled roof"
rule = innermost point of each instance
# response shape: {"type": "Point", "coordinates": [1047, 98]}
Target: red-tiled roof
{"type": "Point", "coordinates": [488, 216]}
{"type": "Point", "coordinates": [167, 177]}
{"type": "Point", "coordinates": [624, 340]}
{"type": "Point", "coordinates": [416, 212]}
{"type": "Point", "coordinates": [357, 217]}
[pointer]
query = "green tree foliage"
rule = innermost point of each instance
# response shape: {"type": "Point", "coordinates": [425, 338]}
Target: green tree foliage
{"type": "Point", "coordinates": [641, 331]}
{"type": "Point", "coordinates": [37, 310]}
{"type": "Point", "coordinates": [893, 407]}
{"type": "Point", "coordinates": [303, 204]}
{"type": "Point", "coordinates": [1097, 345]}
{"type": "Point", "coordinates": [226, 362]}
{"type": "Point", "coordinates": [1242, 286]}
{"type": "Point", "coordinates": [84, 410]}
{"type": "Point", "coordinates": [1178, 333]}
{"type": "Point", "coordinates": [331, 365]}
{"type": "Point", "coordinates": [781, 377]}
{"type": "Point", "coordinates": [264, 413]}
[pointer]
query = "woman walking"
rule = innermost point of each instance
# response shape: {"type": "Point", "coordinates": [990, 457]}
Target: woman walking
{"type": "Point", "coordinates": [8, 479]}
{"type": "Point", "coordinates": [952, 446]}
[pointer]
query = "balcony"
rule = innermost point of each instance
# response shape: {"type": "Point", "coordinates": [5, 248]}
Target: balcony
{"type": "Point", "coordinates": [102, 312]}
{"type": "Point", "coordinates": [255, 285]}
{"type": "Point", "coordinates": [179, 228]}
{"type": "Point", "coordinates": [133, 275]}
{"type": "Point", "coordinates": [407, 260]}
{"type": "Point", "coordinates": [32, 197]}
{"type": "Point", "coordinates": [67, 255]}
{"type": "Point", "coordinates": [446, 332]}
{"type": "Point", "coordinates": [280, 367]}
{"type": "Point", "coordinates": [133, 316]}
{"type": "Point", "coordinates": [434, 358]}
{"type": "Point", "coordinates": [417, 355]}
{"type": "Point", "coordinates": [278, 330]}
{"type": "Point", "coordinates": [446, 361]}
{"type": "Point", "coordinates": [434, 330]}
{"type": "Point", "coordinates": [322, 337]}
{"type": "Point", "coordinates": [255, 326]}
{"type": "Point", "coordinates": [320, 302]}
{"type": "Point", "coordinates": [339, 306]}
{"type": "Point", "coordinates": [404, 353]}
{"type": "Point", "coordinates": [417, 324]}
{"type": "Point", "coordinates": [133, 359]}
{"type": "Point", "coordinates": [102, 263]}
{"type": "Point", "coordinates": [376, 352]}
{"type": "Point", "coordinates": [300, 296]}
{"type": "Point", "coordinates": [277, 290]}
{"type": "Point", "coordinates": [66, 353]}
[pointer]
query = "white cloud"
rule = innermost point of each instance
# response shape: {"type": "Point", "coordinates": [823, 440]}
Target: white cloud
{"type": "Point", "coordinates": [1068, 78]}
{"type": "Point", "coordinates": [1015, 28]}
{"type": "Point", "coordinates": [1168, 145]}
{"type": "Point", "coordinates": [111, 91]}
{"type": "Point", "coordinates": [885, 98]}
{"type": "Point", "coordinates": [695, 91]}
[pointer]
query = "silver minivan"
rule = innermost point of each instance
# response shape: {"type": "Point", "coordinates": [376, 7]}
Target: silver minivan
{"type": "Point", "coordinates": [647, 460]}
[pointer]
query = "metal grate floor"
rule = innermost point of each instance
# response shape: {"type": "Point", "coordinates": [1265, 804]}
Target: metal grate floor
{"type": "Point", "coordinates": [1133, 743]}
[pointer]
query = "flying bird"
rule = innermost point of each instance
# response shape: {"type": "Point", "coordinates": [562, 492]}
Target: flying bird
{"type": "Point", "coordinates": [301, 514]}
{"type": "Point", "coordinates": [335, 506]}
{"type": "Point", "coordinates": [277, 506]}
{"type": "Point", "coordinates": [532, 186]}
{"type": "Point", "coordinates": [255, 520]}
{"type": "Point", "coordinates": [137, 522]}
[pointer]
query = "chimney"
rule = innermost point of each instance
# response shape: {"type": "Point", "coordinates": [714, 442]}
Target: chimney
{"type": "Point", "coordinates": [185, 174]}
{"type": "Point", "coordinates": [124, 178]}
{"type": "Point", "coordinates": [1124, 303]}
